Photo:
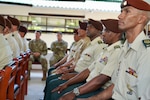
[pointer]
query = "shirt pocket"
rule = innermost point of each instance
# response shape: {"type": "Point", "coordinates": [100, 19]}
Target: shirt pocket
{"type": "Point", "coordinates": [87, 57]}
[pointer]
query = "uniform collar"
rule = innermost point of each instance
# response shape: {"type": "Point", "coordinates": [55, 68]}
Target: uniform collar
{"type": "Point", "coordinates": [112, 46]}
{"type": "Point", "coordinates": [137, 43]}
{"type": "Point", "coordinates": [96, 40]}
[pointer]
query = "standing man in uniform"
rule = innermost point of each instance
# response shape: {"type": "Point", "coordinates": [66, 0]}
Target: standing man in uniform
{"type": "Point", "coordinates": [11, 40]}
{"type": "Point", "coordinates": [23, 31]}
{"type": "Point", "coordinates": [5, 50]}
{"type": "Point", "coordinates": [131, 79]}
{"type": "Point", "coordinates": [38, 49]}
{"type": "Point", "coordinates": [15, 26]}
{"type": "Point", "coordinates": [59, 48]}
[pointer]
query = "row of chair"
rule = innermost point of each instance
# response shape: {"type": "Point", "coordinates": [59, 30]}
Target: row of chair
{"type": "Point", "coordinates": [14, 78]}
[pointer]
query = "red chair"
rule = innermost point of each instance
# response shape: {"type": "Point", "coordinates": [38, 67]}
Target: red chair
{"type": "Point", "coordinates": [4, 78]}
{"type": "Point", "coordinates": [11, 83]}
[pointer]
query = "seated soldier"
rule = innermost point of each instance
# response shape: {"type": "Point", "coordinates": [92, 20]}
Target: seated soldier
{"type": "Point", "coordinates": [78, 49]}
{"type": "Point", "coordinates": [90, 54]}
{"type": "Point", "coordinates": [11, 40]}
{"type": "Point", "coordinates": [38, 49]}
{"type": "Point", "coordinates": [131, 78]}
{"type": "Point", "coordinates": [23, 31]}
{"type": "Point", "coordinates": [5, 50]}
{"type": "Point", "coordinates": [99, 73]}
{"type": "Point", "coordinates": [59, 49]}
{"type": "Point", "coordinates": [15, 26]}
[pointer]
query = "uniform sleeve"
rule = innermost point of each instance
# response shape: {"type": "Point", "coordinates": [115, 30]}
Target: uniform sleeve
{"type": "Point", "coordinates": [44, 51]}
{"type": "Point", "coordinates": [112, 63]}
{"type": "Point", "coordinates": [143, 83]}
{"type": "Point", "coordinates": [30, 45]}
{"type": "Point", "coordinates": [53, 46]}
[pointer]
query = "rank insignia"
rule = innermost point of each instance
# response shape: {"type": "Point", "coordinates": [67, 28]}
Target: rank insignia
{"type": "Point", "coordinates": [146, 43]}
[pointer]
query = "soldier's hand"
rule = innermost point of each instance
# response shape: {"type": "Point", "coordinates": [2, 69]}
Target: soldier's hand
{"type": "Point", "coordinates": [60, 88]}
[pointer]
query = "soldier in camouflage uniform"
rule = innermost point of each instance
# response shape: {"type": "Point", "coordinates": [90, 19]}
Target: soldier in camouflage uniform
{"type": "Point", "coordinates": [59, 48]}
{"type": "Point", "coordinates": [38, 51]}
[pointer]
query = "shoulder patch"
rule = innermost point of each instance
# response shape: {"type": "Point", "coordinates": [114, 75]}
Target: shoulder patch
{"type": "Point", "coordinates": [117, 46]}
{"type": "Point", "coordinates": [146, 43]}
{"type": "Point", "coordinates": [99, 42]}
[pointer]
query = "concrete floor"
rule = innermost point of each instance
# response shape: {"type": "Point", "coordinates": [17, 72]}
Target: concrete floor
{"type": "Point", "coordinates": [35, 86]}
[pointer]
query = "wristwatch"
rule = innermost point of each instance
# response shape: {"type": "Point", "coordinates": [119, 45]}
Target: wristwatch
{"type": "Point", "coordinates": [76, 91]}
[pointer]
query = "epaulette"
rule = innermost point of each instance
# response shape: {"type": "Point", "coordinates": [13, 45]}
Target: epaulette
{"type": "Point", "coordinates": [12, 34]}
{"type": "Point", "coordinates": [146, 43]}
{"type": "Point", "coordinates": [99, 42]}
{"type": "Point", "coordinates": [117, 46]}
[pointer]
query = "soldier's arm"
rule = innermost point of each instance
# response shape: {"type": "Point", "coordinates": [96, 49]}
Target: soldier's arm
{"type": "Point", "coordinates": [44, 52]}
{"type": "Point", "coordinates": [94, 84]}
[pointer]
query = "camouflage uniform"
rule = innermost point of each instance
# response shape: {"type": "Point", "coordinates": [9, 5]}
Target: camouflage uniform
{"type": "Point", "coordinates": [59, 49]}
{"type": "Point", "coordinates": [41, 47]}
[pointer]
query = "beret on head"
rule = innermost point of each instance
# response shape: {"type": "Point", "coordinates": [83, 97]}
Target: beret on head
{"type": "Point", "coordinates": [139, 4]}
{"type": "Point", "coordinates": [96, 24]}
{"type": "Point", "coordinates": [23, 29]}
{"type": "Point", "coordinates": [75, 31]}
{"type": "Point", "coordinates": [83, 25]}
{"type": "Point", "coordinates": [111, 25]}
{"type": "Point", "coordinates": [2, 21]}
{"type": "Point", "coordinates": [8, 23]}
{"type": "Point", "coordinates": [14, 21]}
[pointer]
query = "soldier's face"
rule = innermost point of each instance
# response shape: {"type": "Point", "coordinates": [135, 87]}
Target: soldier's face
{"type": "Point", "coordinates": [108, 36]}
{"type": "Point", "coordinates": [128, 18]}
{"type": "Point", "coordinates": [38, 35]}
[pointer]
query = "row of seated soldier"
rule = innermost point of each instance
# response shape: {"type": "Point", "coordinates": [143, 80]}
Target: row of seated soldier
{"type": "Point", "coordinates": [13, 60]}
{"type": "Point", "coordinates": [108, 68]}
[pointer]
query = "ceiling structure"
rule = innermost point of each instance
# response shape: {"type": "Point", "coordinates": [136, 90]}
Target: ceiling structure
{"type": "Point", "coordinates": [90, 5]}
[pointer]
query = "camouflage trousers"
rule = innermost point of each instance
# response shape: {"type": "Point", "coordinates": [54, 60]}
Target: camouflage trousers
{"type": "Point", "coordinates": [40, 59]}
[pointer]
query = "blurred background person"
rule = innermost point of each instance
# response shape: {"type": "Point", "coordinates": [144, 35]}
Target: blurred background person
{"type": "Point", "coordinates": [23, 31]}
{"type": "Point", "coordinates": [11, 40]}
{"type": "Point", "coordinates": [5, 50]}
{"type": "Point", "coordinates": [38, 49]}
{"type": "Point", "coordinates": [59, 48]}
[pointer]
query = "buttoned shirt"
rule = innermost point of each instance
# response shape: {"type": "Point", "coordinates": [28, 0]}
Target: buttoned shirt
{"type": "Point", "coordinates": [132, 77]}
{"type": "Point", "coordinates": [19, 40]}
{"type": "Point", "coordinates": [13, 45]}
{"type": "Point", "coordinates": [25, 44]}
{"type": "Point", "coordinates": [106, 63]}
{"type": "Point", "coordinates": [5, 52]}
{"type": "Point", "coordinates": [82, 44]}
{"type": "Point", "coordinates": [90, 54]}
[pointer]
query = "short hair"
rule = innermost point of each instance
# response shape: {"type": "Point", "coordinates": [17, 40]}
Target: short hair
{"type": "Point", "coordinates": [38, 31]}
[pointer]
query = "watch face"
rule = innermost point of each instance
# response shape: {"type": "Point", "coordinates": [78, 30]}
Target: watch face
{"type": "Point", "coordinates": [76, 91]}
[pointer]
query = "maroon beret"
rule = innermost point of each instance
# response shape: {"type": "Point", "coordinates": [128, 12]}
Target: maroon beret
{"type": "Point", "coordinates": [8, 23]}
{"type": "Point", "coordinates": [139, 4]}
{"type": "Point", "coordinates": [75, 31]}
{"type": "Point", "coordinates": [111, 25]}
{"type": "Point", "coordinates": [14, 21]}
{"type": "Point", "coordinates": [23, 29]}
{"type": "Point", "coordinates": [2, 21]}
{"type": "Point", "coordinates": [83, 25]}
{"type": "Point", "coordinates": [96, 24]}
